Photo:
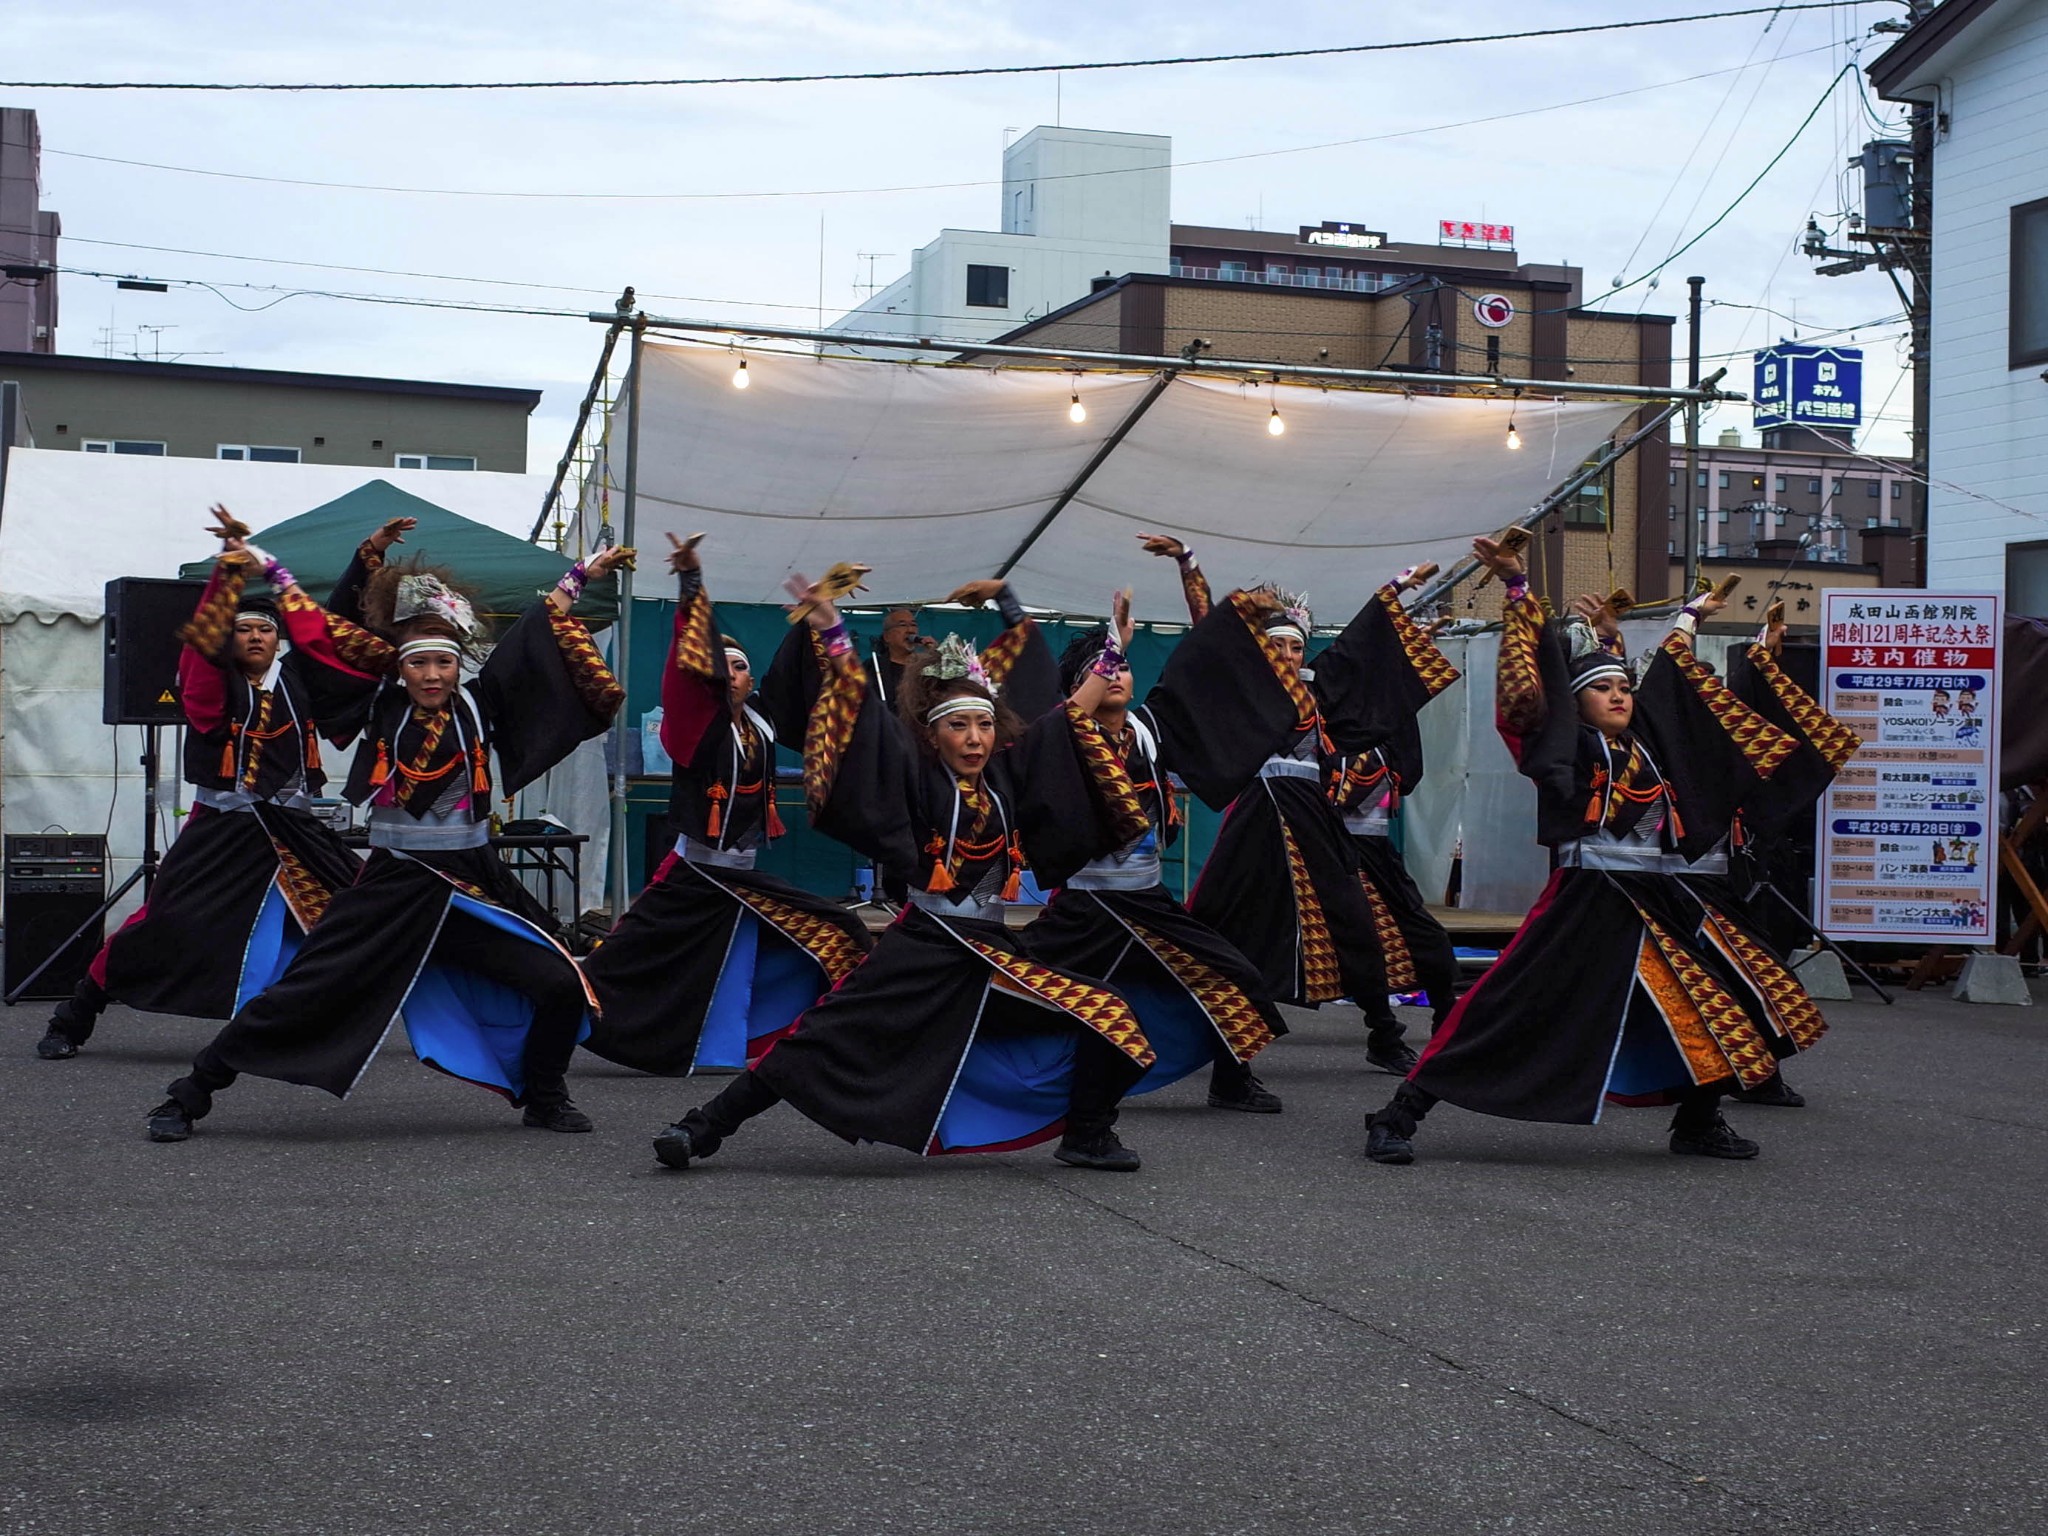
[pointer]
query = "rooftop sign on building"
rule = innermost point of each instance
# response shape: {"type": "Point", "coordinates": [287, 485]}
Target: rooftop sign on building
{"type": "Point", "coordinates": [1465, 232]}
{"type": "Point", "coordinates": [1807, 386]}
{"type": "Point", "coordinates": [1354, 237]}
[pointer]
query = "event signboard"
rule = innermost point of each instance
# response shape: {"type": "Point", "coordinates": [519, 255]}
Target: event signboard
{"type": "Point", "coordinates": [1908, 832]}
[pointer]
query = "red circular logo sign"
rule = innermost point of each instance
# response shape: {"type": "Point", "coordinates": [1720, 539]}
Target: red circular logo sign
{"type": "Point", "coordinates": [1493, 310]}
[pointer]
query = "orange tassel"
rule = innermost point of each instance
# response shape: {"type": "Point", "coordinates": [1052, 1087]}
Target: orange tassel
{"type": "Point", "coordinates": [715, 818]}
{"type": "Point", "coordinates": [313, 750]}
{"type": "Point", "coordinates": [940, 880]}
{"type": "Point", "coordinates": [1013, 888]}
{"type": "Point", "coordinates": [775, 827]}
{"type": "Point", "coordinates": [380, 771]}
{"type": "Point", "coordinates": [480, 770]}
{"type": "Point", "coordinates": [227, 753]}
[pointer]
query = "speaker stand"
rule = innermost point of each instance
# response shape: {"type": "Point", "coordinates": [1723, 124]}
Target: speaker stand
{"type": "Point", "coordinates": [144, 872]}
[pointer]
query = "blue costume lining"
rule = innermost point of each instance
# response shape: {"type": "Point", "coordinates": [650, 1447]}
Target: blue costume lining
{"type": "Point", "coordinates": [472, 1027]}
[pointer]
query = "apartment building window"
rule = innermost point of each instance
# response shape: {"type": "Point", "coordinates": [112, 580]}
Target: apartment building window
{"type": "Point", "coordinates": [1898, 490]}
{"type": "Point", "coordinates": [1872, 488]}
{"type": "Point", "coordinates": [1234, 271]}
{"type": "Point", "coordinates": [1674, 477]}
{"type": "Point", "coordinates": [1724, 479]}
{"type": "Point", "coordinates": [1838, 487]}
{"type": "Point", "coordinates": [988, 287]}
{"type": "Point", "coordinates": [1588, 506]}
{"type": "Point", "coordinates": [1702, 481]}
{"type": "Point", "coordinates": [251, 453]}
{"type": "Point", "coordinates": [2027, 332]}
{"type": "Point", "coordinates": [123, 445]}
{"type": "Point", "coordinates": [1781, 485]}
{"type": "Point", "coordinates": [435, 461]}
{"type": "Point", "coordinates": [1813, 487]}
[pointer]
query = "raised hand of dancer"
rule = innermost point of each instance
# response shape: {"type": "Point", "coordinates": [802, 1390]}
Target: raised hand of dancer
{"type": "Point", "coordinates": [1163, 544]}
{"type": "Point", "coordinates": [1416, 576]}
{"type": "Point", "coordinates": [232, 532]}
{"type": "Point", "coordinates": [682, 553]}
{"type": "Point", "coordinates": [1120, 615]}
{"type": "Point", "coordinates": [393, 532]}
{"type": "Point", "coordinates": [1498, 558]}
{"type": "Point", "coordinates": [976, 593]}
{"type": "Point", "coordinates": [1596, 613]}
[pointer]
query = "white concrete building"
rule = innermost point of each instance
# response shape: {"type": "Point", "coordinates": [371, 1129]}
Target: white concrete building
{"type": "Point", "coordinates": [1078, 205]}
{"type": "Point", "coordinates": [1981, 64]}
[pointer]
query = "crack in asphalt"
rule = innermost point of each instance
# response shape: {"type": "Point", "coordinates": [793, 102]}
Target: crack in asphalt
{"type": "Point", "coordinates": [1449, 1362]}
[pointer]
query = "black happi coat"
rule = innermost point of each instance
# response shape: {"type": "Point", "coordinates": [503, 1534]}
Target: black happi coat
{"type": "Point", "coordinates": [1394, 670]}
{"type": "Point", "coordinates": [248, 876]}
{"type": "Point", "coordinates": [1623, 984]}
{"type": "Point", "coordinates": [1143, 941]}
{"type": "Point", "coordinates": [948, 1036]}
{"type": "Point", "coordinates": [1282, 882]}
{"type": "Point", "coordinates": [711, 938]}
{"type": "Point", "coordinates": [542, 690]}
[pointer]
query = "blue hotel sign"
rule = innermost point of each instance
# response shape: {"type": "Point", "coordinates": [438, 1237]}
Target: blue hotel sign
{"type": "Point", "coordinates": [1798, 385]}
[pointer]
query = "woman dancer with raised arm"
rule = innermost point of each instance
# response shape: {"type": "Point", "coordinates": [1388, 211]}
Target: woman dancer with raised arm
{"type": "Point", "coordinates": [260, 678]}
{"type": "Point", "coordinates": [948, 1037]}
{"type": "Point", "coordinates": [1623, 982]}
{"type": "Point", "coordinates": [714, 959]}
{"type": "Point", "coordinates": [1111, 917]}
{"type": "Point", "coordinates": [436, 925]}
{"type": "Point", "coordinates": [1283, 882]}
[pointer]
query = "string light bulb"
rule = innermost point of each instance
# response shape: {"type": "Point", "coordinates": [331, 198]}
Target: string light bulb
{"type": "Point", "coordinates": [1274, 425]}
{"type": "Point", "coordinates": [1077, 412]}
{"type": "Point", "coordinates": [1514, 437]}
{"type": "Point", "coordinates": [739, 376]}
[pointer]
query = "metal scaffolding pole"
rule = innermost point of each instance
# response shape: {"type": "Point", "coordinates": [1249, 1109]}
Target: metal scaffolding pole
{"type": "Point", "coordinates": [728, 331]}
{"type": "Point", "coordinates": [604, 363]}
{"type": "Point", "coordinates": [623, 647]}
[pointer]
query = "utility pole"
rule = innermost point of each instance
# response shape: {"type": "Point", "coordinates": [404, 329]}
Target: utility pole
{"type": "Point", "coordinates": [1692, 435]}
{"type": "Point", "coordinates": [1897, 230]}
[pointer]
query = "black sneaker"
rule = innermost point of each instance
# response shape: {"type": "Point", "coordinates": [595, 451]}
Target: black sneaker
{"type": "Point", "coordinates": [1716, 1140]}
{"type": "Point", "coordinates": [56, 1046]}
{"type": "Point", "coordinates": [1102, 1152]}
{"type": "Point", "coordinates": [564, 1117]}
{"type": "Point", "coordinates": [1384, 1144]}
{"type": "Point", "coordinates": [1247, 1095]}
{"type": "Point", "coordinates": [674, 1147]}
{"type": "Point", "coordinates": [1773, 1093]}
{"type": "Point", "coordinates": [169, 1122]}
{"type": "Point", "coordinates": [1394, 1056]}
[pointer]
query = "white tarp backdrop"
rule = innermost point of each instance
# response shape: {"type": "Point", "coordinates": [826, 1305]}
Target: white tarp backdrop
{"type": "Point", "coordinates": [935, 475]}
{"type": "Point", "coordinates": [70, 522]}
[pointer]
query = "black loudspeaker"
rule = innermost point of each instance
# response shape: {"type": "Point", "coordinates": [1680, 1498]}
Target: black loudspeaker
{"type": "Point", "coordinates": [140, 682]}
{"type": "Point", "coordinates": [54, 883]}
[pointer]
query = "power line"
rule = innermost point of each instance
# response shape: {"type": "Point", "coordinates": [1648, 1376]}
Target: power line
{"type": "Point", "coordinates": [1262, 56]}
{"type": "Point", "coordinates": [935, 186]}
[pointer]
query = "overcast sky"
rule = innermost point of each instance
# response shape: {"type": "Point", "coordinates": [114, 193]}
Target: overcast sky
{"type": "Point", "coordinates": [1611, 186]}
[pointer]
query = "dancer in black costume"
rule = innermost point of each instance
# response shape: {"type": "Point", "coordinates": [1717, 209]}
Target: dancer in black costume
{"type": "Point", "coordinates": [948, 1037]}
{"type": "Point", "coordinates": [715, 959]}
{"type": "Point", "coordinates": [436, 925]}
{"type": "Point", "coordinates": [1625, 982]}
{"type": "Point", "coordinates": [252, 870]}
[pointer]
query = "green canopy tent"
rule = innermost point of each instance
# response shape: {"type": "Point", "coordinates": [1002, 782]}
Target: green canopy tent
{"type": "Point", "coordinates": [505, 572]}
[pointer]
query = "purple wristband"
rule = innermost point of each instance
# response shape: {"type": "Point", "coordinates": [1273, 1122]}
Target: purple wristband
{"type": "Point", "coordinates": [835, 640]}
{"type": "Point", "coordinates": [1518, 586]}
{"type": "Point", "coordinates": [1109, 660]}
{"type": "Point", "coordinates": [280, 579]}
{"type": "Point", "coordinates": [573, 580]}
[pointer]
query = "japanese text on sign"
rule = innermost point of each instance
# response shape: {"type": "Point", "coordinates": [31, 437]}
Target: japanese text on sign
{"type": "Point", "coordinates": [1907, 833]}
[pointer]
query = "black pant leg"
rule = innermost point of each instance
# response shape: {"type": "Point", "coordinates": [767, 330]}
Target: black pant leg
{"type": "Point", "coordinates": [732, 1107]}
{"type": "Point", "coordinates": [539, 972]}
{"type": "Point", "coordinates": [1698, 1108]}
{"type": "Point", "coordinates": [1102, 1076]}
{"type": "Point", "coordinates": [75, 1016]}
{"type": "Point", "coordinates": [1436, 963]}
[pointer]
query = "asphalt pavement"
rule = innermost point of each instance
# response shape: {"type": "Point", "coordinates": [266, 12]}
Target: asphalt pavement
{"type": "Point", "coordinates": [406, 1314]}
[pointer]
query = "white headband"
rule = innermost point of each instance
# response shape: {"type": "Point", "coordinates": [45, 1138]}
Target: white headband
{"type": "Point", "coordinates": [432, 645]}
{"type": "Point", "coordinates": [734, 653]}
{"type": "Point", "coordinates": [259, 616]}
{"type": "Point", "coordinates": [959, 705]}
{"type": "Point", "coordinates": [1277, 630]}
{"type": "Point", "coordinates": [1598, 675]}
